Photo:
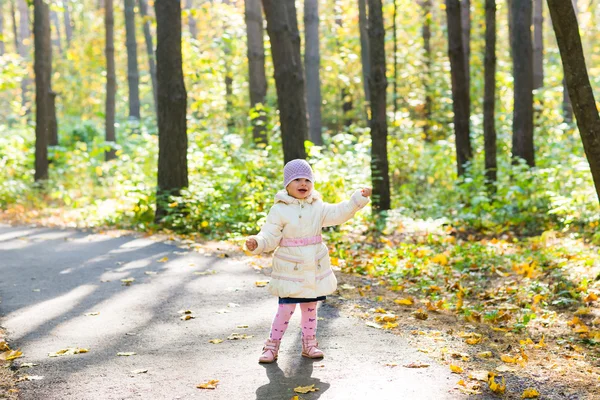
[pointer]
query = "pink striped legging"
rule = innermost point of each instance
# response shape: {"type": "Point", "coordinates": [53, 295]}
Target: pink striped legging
{"type": "Point", "coordinates": [285, 312]}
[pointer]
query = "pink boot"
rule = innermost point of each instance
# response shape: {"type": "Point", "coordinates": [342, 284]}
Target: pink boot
{"type": "Point", "coordinates": [309, 347]}
{"type": "Point", "coordinates": [270, 351]}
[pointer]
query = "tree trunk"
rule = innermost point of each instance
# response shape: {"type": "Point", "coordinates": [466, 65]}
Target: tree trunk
{"type": "Point", "coordinates": [13, 14]}
{"type": "Point", "coordinates": [2, 48]}
{"type": "Point", "coordinates": [312, 61]}
{"type": "Point", "coordinates": [53, 129]}
{"type": "Point", "coordinates": [538, 44]}
{"type": "Point", "coordinates": [256, 69]}
{"type": "Point", "coordinates": [460, 90]}
{"type": "Point", "coordinates": [189, 6]}
{"type": "Point", "coordinates": [465, 10]}
{"type": "Point", "coordinates": [489, 97]}
{"type": "Point", "coordinates": [57, 38]}
{"type": "Point", "coordinates": [346, 95]}
{"type": "Point", "coordinates": [227, 61]}
{"type": "Point", "coordinates": [111, 81]}
{"type": "Point", "coordinates": [363, 25]}
{"type": "Point", "coordinates": [395, 60]}
{"type": "Point", "coordinates": [133, 77]}
{"type": "Point", "coordinates": [379, 130]}
{"type": "Point", "coordinates": [509, 14]}
{"type": "Point", "coordinates": [282, 27]}
{"type": "Point", "coordinates": [149, 50]}
{"type": "Point", "coordinates": [426, 6]}
{"type": "Point", "coordinates": [43, 71]}
{"type": "Point", "coordinates": [566, 28]}
{"type": "Point", "coordinates": [23, 48]}
{"type": "Point", "coordinates": [522, 142]}
{"type": "Point", "coordinates": [68, 23]}
{"type": "Point", "coordinates": [567, 106]}
{"type": "Point", "coordinates": [172, 105]}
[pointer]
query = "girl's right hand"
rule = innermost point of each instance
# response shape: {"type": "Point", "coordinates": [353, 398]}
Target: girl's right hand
{"type": "Point", "coordinates": [251, 244]}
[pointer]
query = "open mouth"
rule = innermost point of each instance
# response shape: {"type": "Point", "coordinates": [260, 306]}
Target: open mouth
{"type": "Point", "coordinates": [303, 190]}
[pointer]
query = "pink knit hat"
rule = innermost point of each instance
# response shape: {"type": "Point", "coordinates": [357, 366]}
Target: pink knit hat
{"type": "Point", "coordinates": [295, 169]}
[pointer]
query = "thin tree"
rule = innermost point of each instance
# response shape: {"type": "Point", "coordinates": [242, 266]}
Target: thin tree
{"type": "Point", "coordinates": [23, 48]}
{"type": "Point", "coordinates": [538, 44]}
{"type": "Point", "coordinates": [566, 28]}
{"type": "Point", "coordinates": [567, 106]}
{"type": "Point", "coordinates": [2, 48]}
{"type": "Point", "coordinates": [172, 105]}
{"type": "Point", "coordinates": [149, 49]}
{"type": "Point", "coordinates": [426, 7]}
{"type": "Point", "coordinates": [68, 22]}
{"type": "Point", "coordinates": [133, 78]}
{"type": "Point", "coordinates": [57, 37]}
{"type": "Point", "coordinates": [489, 97]}
{"type": "Point", "coordinates": [13, 14]}
{"type": "Point", "coordinates": [395, 60]}
{"type": "Point", "coordinates": [256, 69]}
{"type": "Point", "coordinates": [282, 27]}
{"type": "Point", "coordinates": [363, 24]}
{"type": "Point", "coordinates": [379, 130]}
{"type": "Point", "coordinates": [312, 65]}
{"type": "Point", "coordinates": [43, 71]}
{"type": "Point", "coordinates": [111, 80]}
{"type": "Point", "coordinates": [465, 10]}
{"type": "Point", "coordinates": [460, 90]}
{"type": "Point", "coordinates": [227, 61]}
{"type": "Point", "coordinates": [522, 142]}
{"type": "Point", "coordinates": [189, 6]}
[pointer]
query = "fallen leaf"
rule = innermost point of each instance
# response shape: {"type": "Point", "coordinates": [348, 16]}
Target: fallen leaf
{"type": "Point", "coordinates": [386, 318]}
{"type": "Point", "coordinates": [305, 389]}
{"type": "Point", "coordinates": [345, 286]}
{"type": "Point", "coordinates": [473, 340]}
{"type": "Point", "coordinates": [185, 312]}
{"type": "Point", "coordinates": [461, 383]}
{"type": "Point", "coordinates": [373, 325]}
{"type": "Point", "coordinates": [508, 359]}
{"type": "Point", "coordinates": [391, 365]}
{"type": "Point", "coordinates": [237, 336]}
{"type": "Point", "coordinates": [33, 377]}
{"type": "Point", "coordinates": [92, 314]}
{"type": "Point", "coordinates": [404, 302]}
{"type": "Point", "coordinates": [480, 375]}
{"type": "Point", "coordinates": [27, 365]}
{"type": "Point", "coordinates": [591, 297]}
{"type": "Point", "coordinates": [242, 326]}
{"type": "Point", "coordinates": [261, 283]}
{"type": "Point", "coordinates": [127, 281]}
{"type": "Point", "coordinates": [139, 371]}
{"type": "Point", "coordinates": [530, 393]}
{"type": "Point", "coordinates": [10, 355]}
{"type": "Point", "coordinates": [212, 384]}
{"type": "Point", "coordinates": [150, 272]}
{"type": "Point", "coordinates": [484, 354]}
{"type": "Point", "coordinates": [207, 272]}
{"type": "Point", "coordinates": [420, 314]}
{"type": "Point", "coordinates": [68, 352]}
{"type": "Point", "coordinates": [4, 346]}
{"type": "Point", "coordinates": [187, 317]}
{"type": "Point", "coordinates": [456, 369]}
{"type": "Point", "coordinates": [416, 365]}
{"type": "Point", "coordinates": [162, 260]}
{"type": "Point", "coordinates": [504, 368]}
{"type": "Point", "coordinates": [126, 353]}
{"type": "Point", "coordinates": [215, 341]}
{"type": "Point", "coordinates": [495, 387]}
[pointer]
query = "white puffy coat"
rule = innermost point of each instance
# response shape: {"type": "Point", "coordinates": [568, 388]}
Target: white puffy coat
{"type": "Point", "coordinates": [303, 271]}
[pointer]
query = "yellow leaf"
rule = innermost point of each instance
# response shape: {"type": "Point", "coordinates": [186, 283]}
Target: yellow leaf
{"type": "Point", "coordinates": [127, 281]}
{"type": "Point", "coordinates": [204, 224]}
{"type": "Point", "coordinates": [582, 311]}
{"type": "Point", "coordinates": [420, 314]}
{"type": "Point", "coordinates": [390, 325]}
{"type": "Point", "coordinates": [484, 354]}
{"type": "Point", "coordinates": [480, 375]}
{"type": "Point", "coordinates": [173, 204]}
{"type": "Point", "coordinates": [404, 302]}
{"type": "Point", "coordinates": [440, 259]}
{"type": "Point", "coordinates": [126, 353]}
{"type": "Point", "coordinates": [386, 318]}
{"type": "Point", "coordinates": [456, 369]}
{"type": "Point", "coordinates": [474, 340]}
{"type": "Point", "coordinates": [164, 259]}
{"type": "Point", "coordinates": [541, 344]}
{"type": "Point", "coordinates": [530, 393]}
{"type": "Point", "coordinates": [261, 283]}
{"type": "Point", "coordinates": [215, 341]}
{"type": "Point", "coordinates": [99, 170]}
{"type": "Point", "coordinates": [496, 387]}
{"type": "Point", "coordinates": [591, 297]}
{"type": "Point", "coordinates": [508, 359]}
{"type": "Point", "coordinates": [68, 351]}
{"type": "Point", "coordinates": [10, 355]}
{"type": "Point", "coordinates": [461, 383]}
{"type": "Point", "coordinates": [4, 346]}
{"type": "Point", "coordinates": [92, 314]}
{"type": "Point", "coordinates": [305, 389]}
{"type": "Point", "coordinates": [380, 311]}
{"type": "Point", "coordinates": [212, 384]}
{"type": "Point", "coordinates": [237, 336]}
{"type": "Point", "coordinates": [187, 317]}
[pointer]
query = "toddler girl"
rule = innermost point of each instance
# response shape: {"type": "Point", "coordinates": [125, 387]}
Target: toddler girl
{"type": "Point", "coordinates": [302, 271]}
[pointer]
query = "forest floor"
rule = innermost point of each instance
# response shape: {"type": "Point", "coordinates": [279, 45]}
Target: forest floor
{"type": "Point", "coordinates": [63, 288]}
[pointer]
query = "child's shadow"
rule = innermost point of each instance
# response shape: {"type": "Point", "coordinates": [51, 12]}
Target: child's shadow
{"type": "Point", "coordinates": [282, 387]}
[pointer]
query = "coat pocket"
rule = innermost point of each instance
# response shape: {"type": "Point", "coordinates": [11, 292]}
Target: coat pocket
{"type": "Point", "coordinates": [326, 282]}
{"type": "Point", "coordinates": [287, 278]}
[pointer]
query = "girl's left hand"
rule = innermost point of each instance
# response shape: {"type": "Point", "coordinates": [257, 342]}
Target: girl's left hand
{"type": "Point", "coordinates": [366, 192]}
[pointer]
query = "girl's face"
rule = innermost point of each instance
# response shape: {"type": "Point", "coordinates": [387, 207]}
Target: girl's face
{"type": "Point", "coordinates": [300, 188]}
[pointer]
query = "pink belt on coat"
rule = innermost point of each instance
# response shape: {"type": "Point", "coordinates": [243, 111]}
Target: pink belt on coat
{"type": "Point", "coordinates": [297, 242]}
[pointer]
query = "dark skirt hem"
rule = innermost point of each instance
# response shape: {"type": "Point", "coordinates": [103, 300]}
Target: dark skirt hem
{"type": "Point", "coordinates": [292, 300]}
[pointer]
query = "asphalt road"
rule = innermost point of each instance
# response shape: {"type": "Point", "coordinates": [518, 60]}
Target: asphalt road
{"type": "Point", "coordinates": [50, 279]}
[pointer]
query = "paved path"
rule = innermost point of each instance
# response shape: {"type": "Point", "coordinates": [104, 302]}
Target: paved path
{"type": "Point", "coordinates": [49, 280]}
